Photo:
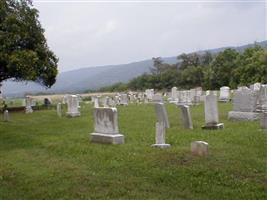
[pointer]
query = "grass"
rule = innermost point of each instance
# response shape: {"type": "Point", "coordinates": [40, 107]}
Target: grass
{"type": "Point", "coordinates": [46, 157]}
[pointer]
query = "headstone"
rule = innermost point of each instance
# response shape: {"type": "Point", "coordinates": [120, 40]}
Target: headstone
{"type": "Point", "coordinates": [157, 98]}
{"type": "Point", "coordinates": [105, 101]}
{"type": "Point", "coordinates": [73, 106]}
{"type": "Point", "coordinates": [124, 99]}
{"type": "Point", "coordinates": [244, 105]}
{"type": "Point", "coordinates": [186, 117]}
{"type": "Point", "coordinates": [59, 110]}
{"type": "Point", "coordinates": [106, 126]}
{"type": "Point", "coordinates": [96, 102]}
{"type": "Point", "coordinates": [200, 148]}
{"type": "Point", "coordinates": [262, 99]}
{"type": "Point", "coordinates": [6, 116]}
{"type": "Point", "coordinates": [174, 94]}
{"type": "Point", "coordinates": [211, 113]}
{"type": "Point", "coordinates": [255, 86]}
{"type": "Point", "coordinates": [160, 136]}
{"type": "Point", "coordinates": [28, 101]}
{"type": "Point", "coordinates": [161, 114]}
{"type": "Point", "coordinates": [263, 120]}
{"type": "Point", "coordinates": [149, 94]}
{"type": "Point", "coordinates": [224, 94]}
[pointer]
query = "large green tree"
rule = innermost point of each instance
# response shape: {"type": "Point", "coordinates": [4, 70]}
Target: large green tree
{"type": "Point", "coordinates": [24, 53]}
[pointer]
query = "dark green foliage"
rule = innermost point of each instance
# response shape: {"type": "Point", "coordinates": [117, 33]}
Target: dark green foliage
{"type": "Point", "coordinates": [24, 54]}
{"type": "Point", "coordinates": [227, 68]}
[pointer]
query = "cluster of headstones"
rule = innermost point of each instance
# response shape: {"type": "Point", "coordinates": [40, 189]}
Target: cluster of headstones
{"type": "Point", "coordinates": [185, 97]}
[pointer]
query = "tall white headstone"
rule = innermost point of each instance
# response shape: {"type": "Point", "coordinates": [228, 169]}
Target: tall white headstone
{"type": "Point", "coordinates": [59, 110]}
{"type": "Point", "coordinates": [211, 113]}
{"type": "Point", "coordinates": [161, 124]}
{"type": "Point", "coordinates": [186, 117]}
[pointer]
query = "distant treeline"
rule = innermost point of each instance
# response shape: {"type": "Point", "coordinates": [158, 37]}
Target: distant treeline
{"type": "Point", "coordinates": [210, 71]}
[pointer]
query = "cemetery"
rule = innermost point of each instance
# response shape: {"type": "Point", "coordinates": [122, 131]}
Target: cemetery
{"type": "Point", "coordinates": [133, 100]}
{"type": "Point", "coordinates": [145, 149]}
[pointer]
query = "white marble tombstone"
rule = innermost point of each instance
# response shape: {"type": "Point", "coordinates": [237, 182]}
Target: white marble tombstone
{"type": "Point", "coordinates": [96, 102]}
{"type": "Point", "coordinates": [186, 117]}
{"type": "Point", "coordinates": [59, 110]}
{"type": "Point", "coordinates": [224, 94]}
{"type": "Point", "coordinates": [106, 126]}
{"type": "Point", "coordinates": [105, 102]}
{"type": "Point", "coordinates": [199, 148]}
{"type": "Point", "coordinates": [255, 86]}
{"type": "Point", "coordinates": [149, 94]}
{"type": "Point", "coordinates": [263, 120]}
{"type": "Point", "coordinates": [124, 99]}
{"type": "Point", "coordinates": [28, 108]}
{"type": "Point", "coordinates": [161, 125]}
{"type": "Point", "coordinates": [211, 113]}
{"type": "Point", "coordinates": [174, 94]}
{"type": "Point", "coordinates": [6, 116]}
{"type": "Point", "coordinates": [244, 105]}
{"type": "Point", "coordinates": [73, 106]}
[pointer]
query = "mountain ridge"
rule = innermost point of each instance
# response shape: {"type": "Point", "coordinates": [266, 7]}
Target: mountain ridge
{"type": "Point", "coordinates": [79, 80]}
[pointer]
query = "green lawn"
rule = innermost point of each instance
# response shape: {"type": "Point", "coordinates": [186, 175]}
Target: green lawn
{"type": "Point", "coordinates": [46, 157]}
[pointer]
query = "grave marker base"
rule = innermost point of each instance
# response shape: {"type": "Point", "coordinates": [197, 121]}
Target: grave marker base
{"type": "Point", "coordinates": [107, 138]}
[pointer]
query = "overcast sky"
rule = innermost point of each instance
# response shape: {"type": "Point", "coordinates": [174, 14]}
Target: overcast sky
{"type": "Point", "coordinates": [85, 34]}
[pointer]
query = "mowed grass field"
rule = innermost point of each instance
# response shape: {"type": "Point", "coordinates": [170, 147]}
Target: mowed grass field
{"type": "Point", "coordinates": [43, 156]}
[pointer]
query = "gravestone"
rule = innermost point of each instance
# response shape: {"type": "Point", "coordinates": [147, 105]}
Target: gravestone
{"type": "Point", "coordinates": [161, 113]}
{"type": "Point", "coordinates": [186, 117]}
{"type": "Point", "coordinates": [6, 116]}
{"type": "Point", "coordinates": [59, 110]}
{"type": "Point", "coordinates": [96, 102]}
{"type": "Point", "coordinates": [262, 99]}
{"type": "Point", "coordinates": [211, 113]}
{"type": "Point", "coordinates": [263, 120]}
{"type": "Point", "coordinates": [224, 94]}
{"type": "Point", "coordinates": [174, 94]}
{"type": "Point", "coordinates": [157, 98]}
{"type": "Point", "coordinates": [199, 148]}
{"type": "Point", "coordinates": [161, 124]}
{"type": "Point", "coordinates": [28, 108]}
{"type": "Point", "coordinates": [106, 128]}
{"type": "Point", "coordinates": [244, 105]}
{"type": "Point", "coordinates": [73, 106]}
{"type": "Point", "coordinates": [105, 101]}
{"type": "Point", "coordinates": [149, 94]}
{"type": "Point", "coordinates": [124, 100]}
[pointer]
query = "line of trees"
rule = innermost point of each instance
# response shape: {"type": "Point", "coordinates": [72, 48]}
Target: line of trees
{"type": "Point", "coordinates": [209, 71]}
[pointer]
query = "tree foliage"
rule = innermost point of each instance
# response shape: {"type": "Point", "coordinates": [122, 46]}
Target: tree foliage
{"type": "Point", "coordinates": [24, 54]}
{"type": "Point", "coordinates": [227, 68]}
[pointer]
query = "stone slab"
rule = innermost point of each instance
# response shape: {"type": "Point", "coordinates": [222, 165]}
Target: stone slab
{"type": "Point", "coordinates": [213, 126]}
{"type": "Point", "coordinates": [73, 114]}
{"type": "Point", "coordinates": [162, 146]}
{"type": "Point", "coordinates": [243, 116]}
{"type": "Point", "coordinates": [107, 138]}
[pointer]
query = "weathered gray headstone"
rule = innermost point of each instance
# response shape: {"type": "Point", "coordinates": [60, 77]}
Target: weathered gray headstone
{"type": "Point", "coordinates": [224, 94]}
{"type": "Point", "coordinates": [157, 98]}
{"type": "Point", "coordinates": [96, 102]}
{"type": "Point", "coordinates": [160, 136]}
{"type": "Point", "coordinates": [211, 113]}
{"type": "Point", "coordinates": [186, 117]}
{"type": "Point", "coordinates": [263, 120]}
{"type": "Point", "coordinates": [6, 116]}
{"type": "Point", "coordinates": [161, 114]}
{"type": "Point", "coordinates": [106, 126]}
{"type": "Point", "coordinates": [28, 108]}
{"type": "Point", "coordinates": [73, 106]}
{"type": "Point", "coordinates": [200, 148]}
{"type": "Point", "coordinates": [244, 105]}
